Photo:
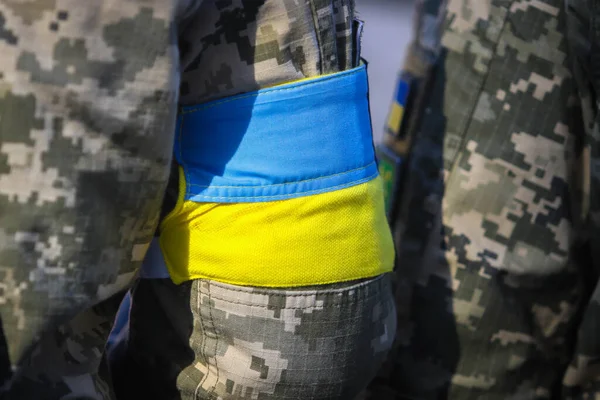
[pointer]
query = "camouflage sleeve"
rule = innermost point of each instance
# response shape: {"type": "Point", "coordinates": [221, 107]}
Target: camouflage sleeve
{"type": "Point", "coordinates": [499, 256]}
{"type": "Point", "coordinates": [87, 101]}
{"type": "Point", "coordinates": [235, 47]}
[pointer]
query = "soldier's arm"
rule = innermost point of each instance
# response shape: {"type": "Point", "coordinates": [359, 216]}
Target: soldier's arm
{"type": "Point", "coordinates": [88, 96]}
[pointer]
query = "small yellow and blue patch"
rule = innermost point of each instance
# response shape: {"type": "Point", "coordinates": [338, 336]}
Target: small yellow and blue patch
{"type": "Point", "coordinates": [396, 114]}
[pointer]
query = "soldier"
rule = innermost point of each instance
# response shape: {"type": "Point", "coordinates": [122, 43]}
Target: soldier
{"type": "Point", "coordinates": [275, 239]}
{"type": "Point", "coordinates": [496, 216]}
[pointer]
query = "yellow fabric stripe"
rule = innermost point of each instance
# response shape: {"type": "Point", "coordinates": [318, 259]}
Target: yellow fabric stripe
{"type": "Point", "coordinates": [395, 118]}
{"type": "Point", "coordinates": [310, 78]}
{"type": "Point", "coordinates": [325, 238]}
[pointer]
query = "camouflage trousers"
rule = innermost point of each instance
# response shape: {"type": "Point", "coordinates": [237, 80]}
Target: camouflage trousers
{"type": "Point", "coordinates": [498, 272]}
{"type": "Point", "coordinates": [88, 97]}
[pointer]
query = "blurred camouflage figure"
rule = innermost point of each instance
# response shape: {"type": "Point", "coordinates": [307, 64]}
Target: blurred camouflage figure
{"type": "Point", "coordinates": [498, 223]}
{"type": "Point", "coordinates": [88, 97]}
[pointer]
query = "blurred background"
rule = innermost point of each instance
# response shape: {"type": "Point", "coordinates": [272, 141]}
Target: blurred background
{"type": "Point", "coordinates": [387, 31]}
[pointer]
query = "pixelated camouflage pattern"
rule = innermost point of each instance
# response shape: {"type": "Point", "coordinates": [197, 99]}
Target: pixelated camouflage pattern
{"type": "Point", "coordinates": [323, 342]}
{"type": "Point", "coordinates": [86, 117]}
{"type": "Point", "coordinates": [497, 292]}
{"type": "Point", "coordinates": [88, 95]}
{"type": "Point", "coordinates": [235, 46]}
{"type": "Point", "coordinates": [69, 362]}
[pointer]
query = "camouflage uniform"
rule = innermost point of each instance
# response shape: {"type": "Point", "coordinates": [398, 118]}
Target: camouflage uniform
{"type": "Point", "coordinates": [498, 267]}
{"type": "Point", "coordinates": [88, 97]}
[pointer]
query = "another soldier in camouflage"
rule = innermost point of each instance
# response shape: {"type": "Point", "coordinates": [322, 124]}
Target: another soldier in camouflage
{"type": "Point", "coordinates": [88, 97]}
{"type": "Point", "coordinates": [499, 256]}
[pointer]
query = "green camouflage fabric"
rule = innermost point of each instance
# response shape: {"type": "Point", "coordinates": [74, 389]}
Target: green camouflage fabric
{"type": "Point", "coordinates": [497, 276]}
{"type": "Point", "coordinates": [88, 97]}
{"type": "Point", "coordinates": [263, 43]}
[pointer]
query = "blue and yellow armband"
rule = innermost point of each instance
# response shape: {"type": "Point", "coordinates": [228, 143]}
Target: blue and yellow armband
{"type": "Point", "coordinates": [279, 188]}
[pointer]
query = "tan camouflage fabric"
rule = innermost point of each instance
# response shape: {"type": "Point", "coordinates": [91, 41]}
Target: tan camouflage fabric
{"type": "Point", "coordinates": [498, 268]}
{"type": "Point", "coordinates": [88, 96]}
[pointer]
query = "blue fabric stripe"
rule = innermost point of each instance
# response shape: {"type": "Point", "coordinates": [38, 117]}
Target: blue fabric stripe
{"type": "Point", "coordinates": [154, 265]}
{"type": "Point", "coordinates": [402, 92]}
{"type": "Point", "coordinates": [288, 141]}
